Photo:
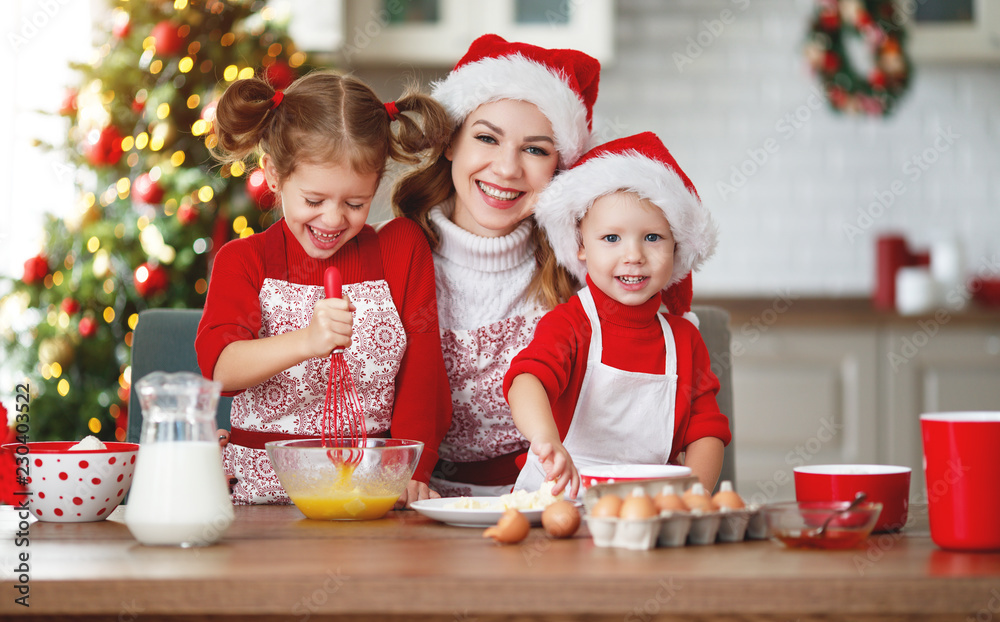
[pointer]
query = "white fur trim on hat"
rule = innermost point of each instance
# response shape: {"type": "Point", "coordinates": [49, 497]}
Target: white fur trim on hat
{"type": "Point", "coordinates": [517, 77]}
{"type": "Point", "coordinates": [567, 198]}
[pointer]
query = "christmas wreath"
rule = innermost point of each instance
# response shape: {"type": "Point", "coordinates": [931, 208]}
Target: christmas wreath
{"type": "Point", "coordinates": [880, 25]}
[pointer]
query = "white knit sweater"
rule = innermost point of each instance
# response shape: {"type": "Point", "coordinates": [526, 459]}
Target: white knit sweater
{"type": "Point", "coordinates": [480, 280]}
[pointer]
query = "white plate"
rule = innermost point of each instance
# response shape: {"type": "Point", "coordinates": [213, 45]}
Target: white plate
{"type": "Point", "coordinates": [435, 508]}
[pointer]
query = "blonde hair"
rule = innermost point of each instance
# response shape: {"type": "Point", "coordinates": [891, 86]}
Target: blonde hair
{"type": "Point", "coordinates": [325, 117]}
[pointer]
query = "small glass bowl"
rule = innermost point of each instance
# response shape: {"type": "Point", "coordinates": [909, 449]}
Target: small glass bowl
{"type": "Point", "coordinates": [796, 524]}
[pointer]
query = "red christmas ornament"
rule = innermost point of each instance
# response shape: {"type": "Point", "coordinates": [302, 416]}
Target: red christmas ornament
{"type": "Point", "coordinates": [87, 327]}
{"type": "Point", "coordinates": [208, 112]}
{"type": "Point", "coordinates": [122, 26]}
{"type": "Point", "coordinates": [69, 306]}
{"type": "Point", "coordinates": [150, 280]}
{"type": "Point", "coordinates": [147, 190]}
{"type": "Point", "coordinates": [35, 269]}
{"type": "Point", "coordinates": [168, 39]}
{"type": "Point", "coordinates": [68, 105]}
{"type": "Point", "coordinates": [187, 214]}
{"type": "Point", "coordinates": [106, 149]}
{"type": "Point", "coordinates": [258, 190]}
{"type": "Point", "coordinates": [279, 75]}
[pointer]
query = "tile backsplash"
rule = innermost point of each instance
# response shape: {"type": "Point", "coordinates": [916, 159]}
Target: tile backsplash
{"type": "Point", "coordinates": [799, 192]}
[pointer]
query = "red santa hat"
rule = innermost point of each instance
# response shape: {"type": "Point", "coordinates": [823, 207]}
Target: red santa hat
{"type": "Point", "coordinates": [639, 164]}
{"type": "Point", "coordinates": [562, 83]}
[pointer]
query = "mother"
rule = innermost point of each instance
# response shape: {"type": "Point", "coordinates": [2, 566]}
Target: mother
{"type": "Point", "coordinates": [521, 112]}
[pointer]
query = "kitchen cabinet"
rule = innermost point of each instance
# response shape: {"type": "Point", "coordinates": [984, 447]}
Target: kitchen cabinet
{"type": "Point", "coordinates": [436, 33]}
{"type": "Point", "coordinates": [836, 382]}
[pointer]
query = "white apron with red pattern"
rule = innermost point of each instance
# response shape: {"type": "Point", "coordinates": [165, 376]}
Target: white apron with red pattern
{"type": "Point", "coordinates": [290, 404]}
{"type": "Point", "coordinates": [481, 426]}
{"type": "Point", "coordinates": [620, 416]}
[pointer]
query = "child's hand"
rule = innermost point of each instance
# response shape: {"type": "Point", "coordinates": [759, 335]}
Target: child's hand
{"type": "Point", "coordinates": [415, 491]}
{"type": "Point", "coordinates": [558, 464]}
{"type": "Point", "coordinates": [331, 325]}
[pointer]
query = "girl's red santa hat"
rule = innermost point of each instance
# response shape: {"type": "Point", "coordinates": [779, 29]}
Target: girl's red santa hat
{"type": "Point", "coordinates": [562, 83]}
{"type": "Point", "coordinates": [639, 164]}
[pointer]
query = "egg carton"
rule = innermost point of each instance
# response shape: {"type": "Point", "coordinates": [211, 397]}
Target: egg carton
{"type": "Point", "coordinates": [670, 529]}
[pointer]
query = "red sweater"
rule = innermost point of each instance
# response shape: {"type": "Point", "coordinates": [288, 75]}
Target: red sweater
{"type": "Point", "coordinates": [422, 405]}
{"type": "Point", "coordinates": [632, 341]}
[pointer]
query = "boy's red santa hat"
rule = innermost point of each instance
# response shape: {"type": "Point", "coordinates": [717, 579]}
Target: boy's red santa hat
{"type": "Point", "coordinates": [562, 83]}
{"type": "Point", "coordinates": [639, 164]}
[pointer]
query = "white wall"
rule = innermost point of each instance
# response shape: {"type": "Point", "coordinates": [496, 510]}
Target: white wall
{"type": "Point", "coordinates": [786, 227]}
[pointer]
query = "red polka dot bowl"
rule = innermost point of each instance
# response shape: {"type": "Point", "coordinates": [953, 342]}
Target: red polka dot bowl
{"type": "Point", "coordinates": [74, 486]}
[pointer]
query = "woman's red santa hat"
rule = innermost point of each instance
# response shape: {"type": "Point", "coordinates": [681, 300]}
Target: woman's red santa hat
{"type": "Point", "coordinates": [639, 164]}
{"type": "Point", "coordinates": [562, 83]}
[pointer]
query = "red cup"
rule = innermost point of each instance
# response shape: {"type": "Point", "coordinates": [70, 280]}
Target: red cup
{"type": "Point", "coordinates": [962, 470]}
{"type": "Point", "coordinates": [888, 485]}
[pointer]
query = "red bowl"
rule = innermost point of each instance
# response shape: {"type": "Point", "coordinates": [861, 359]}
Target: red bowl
{"type": "Point", "coordinates": [611, 473]}
{"type": "Point", "coordinates": [888, 485]}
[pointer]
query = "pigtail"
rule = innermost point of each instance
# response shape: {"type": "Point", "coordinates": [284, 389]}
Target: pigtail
{"type": "Point", "coordinates": [422, 188]}
{"type": "Point", "coordinates": [552, 284]}
{"type": "Point", "coordinates": [242, 119]}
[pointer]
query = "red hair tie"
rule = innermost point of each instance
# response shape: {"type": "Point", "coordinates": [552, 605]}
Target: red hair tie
{"type": "Point", "coordinates": [393, 111]}
{"type": "Point", "coordinates": [276, 99]}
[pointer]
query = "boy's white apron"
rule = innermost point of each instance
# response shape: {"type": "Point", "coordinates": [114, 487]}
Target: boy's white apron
{"type": "Point", "coordinates": [621, 416]}
{"type": "Point", "coordinates": [290, 404]}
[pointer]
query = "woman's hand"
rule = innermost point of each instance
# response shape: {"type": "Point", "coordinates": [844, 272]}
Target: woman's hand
{"type": "Point", "coordinates": [331, 325]}
{"type": "Point", "coordinates": [415, 491]}
{"type": "Point", "coordinates": [557, 463]}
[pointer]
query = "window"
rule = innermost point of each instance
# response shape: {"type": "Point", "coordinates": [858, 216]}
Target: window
{"type": "Point", "coordinates": [953, 30]}
{"type": "Point", "coordinates": [438, 32]}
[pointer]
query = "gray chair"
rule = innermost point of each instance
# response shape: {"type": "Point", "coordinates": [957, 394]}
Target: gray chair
{"type": "Point", "coordinates": [163, 340]}
{"type": "Point", "coordinates": [714, 326]}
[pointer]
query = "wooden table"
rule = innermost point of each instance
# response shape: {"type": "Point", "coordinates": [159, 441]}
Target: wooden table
{"type": "Point", "coordinates": [275, 565]}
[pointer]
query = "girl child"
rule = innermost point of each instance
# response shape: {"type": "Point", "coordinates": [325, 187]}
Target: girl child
{"type": "Point", "coordinates": [268, 330]}
{"type": "Point", "coordinates": [519, 113]}
{"type": "Point", "coordinates": [608, 379]}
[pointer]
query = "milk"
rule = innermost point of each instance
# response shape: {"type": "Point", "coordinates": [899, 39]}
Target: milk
{"type": "Point", "coordinates": [179, 495]}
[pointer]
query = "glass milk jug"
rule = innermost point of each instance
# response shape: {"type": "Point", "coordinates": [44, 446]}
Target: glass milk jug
{"type": "Point", "coordinates": [179, 494]}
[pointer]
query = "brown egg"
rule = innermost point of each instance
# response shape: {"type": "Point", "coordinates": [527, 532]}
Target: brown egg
{"type": "Point", "coordinates": [608, 506]}
{"type": "Point", "coordinates": [511, 528]}
{"type": "Point", "coordinates": [561, 519]}
{"type": "Point", "coordinates": [669, 501]}
{"type": "Point", "coordinates": [637, 506]}
{"type": "Point", "coordinates": [727, 497]}
{"type": "Point", "coordinates": [698, 500]}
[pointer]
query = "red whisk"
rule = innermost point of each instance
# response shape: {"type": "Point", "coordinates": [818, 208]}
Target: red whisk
{"type": "Point", "coordinates": [343, 418]}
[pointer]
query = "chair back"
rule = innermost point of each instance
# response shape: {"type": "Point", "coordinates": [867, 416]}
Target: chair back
{"type": "Point", "coordinates": [714, 325]}
{"type": "Point", "coordinates": [163, 340]}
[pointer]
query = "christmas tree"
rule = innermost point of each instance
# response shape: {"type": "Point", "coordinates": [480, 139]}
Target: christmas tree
{"type": "Point", "coordinates": [153, 207]}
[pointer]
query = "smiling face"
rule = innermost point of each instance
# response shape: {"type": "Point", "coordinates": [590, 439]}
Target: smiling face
{"type": "Point", "coordinates": [324, 205]}
{"type": "Point", "coordinates": [502, 157]}
{"type": "Point", "coordinates": [628, 246]}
